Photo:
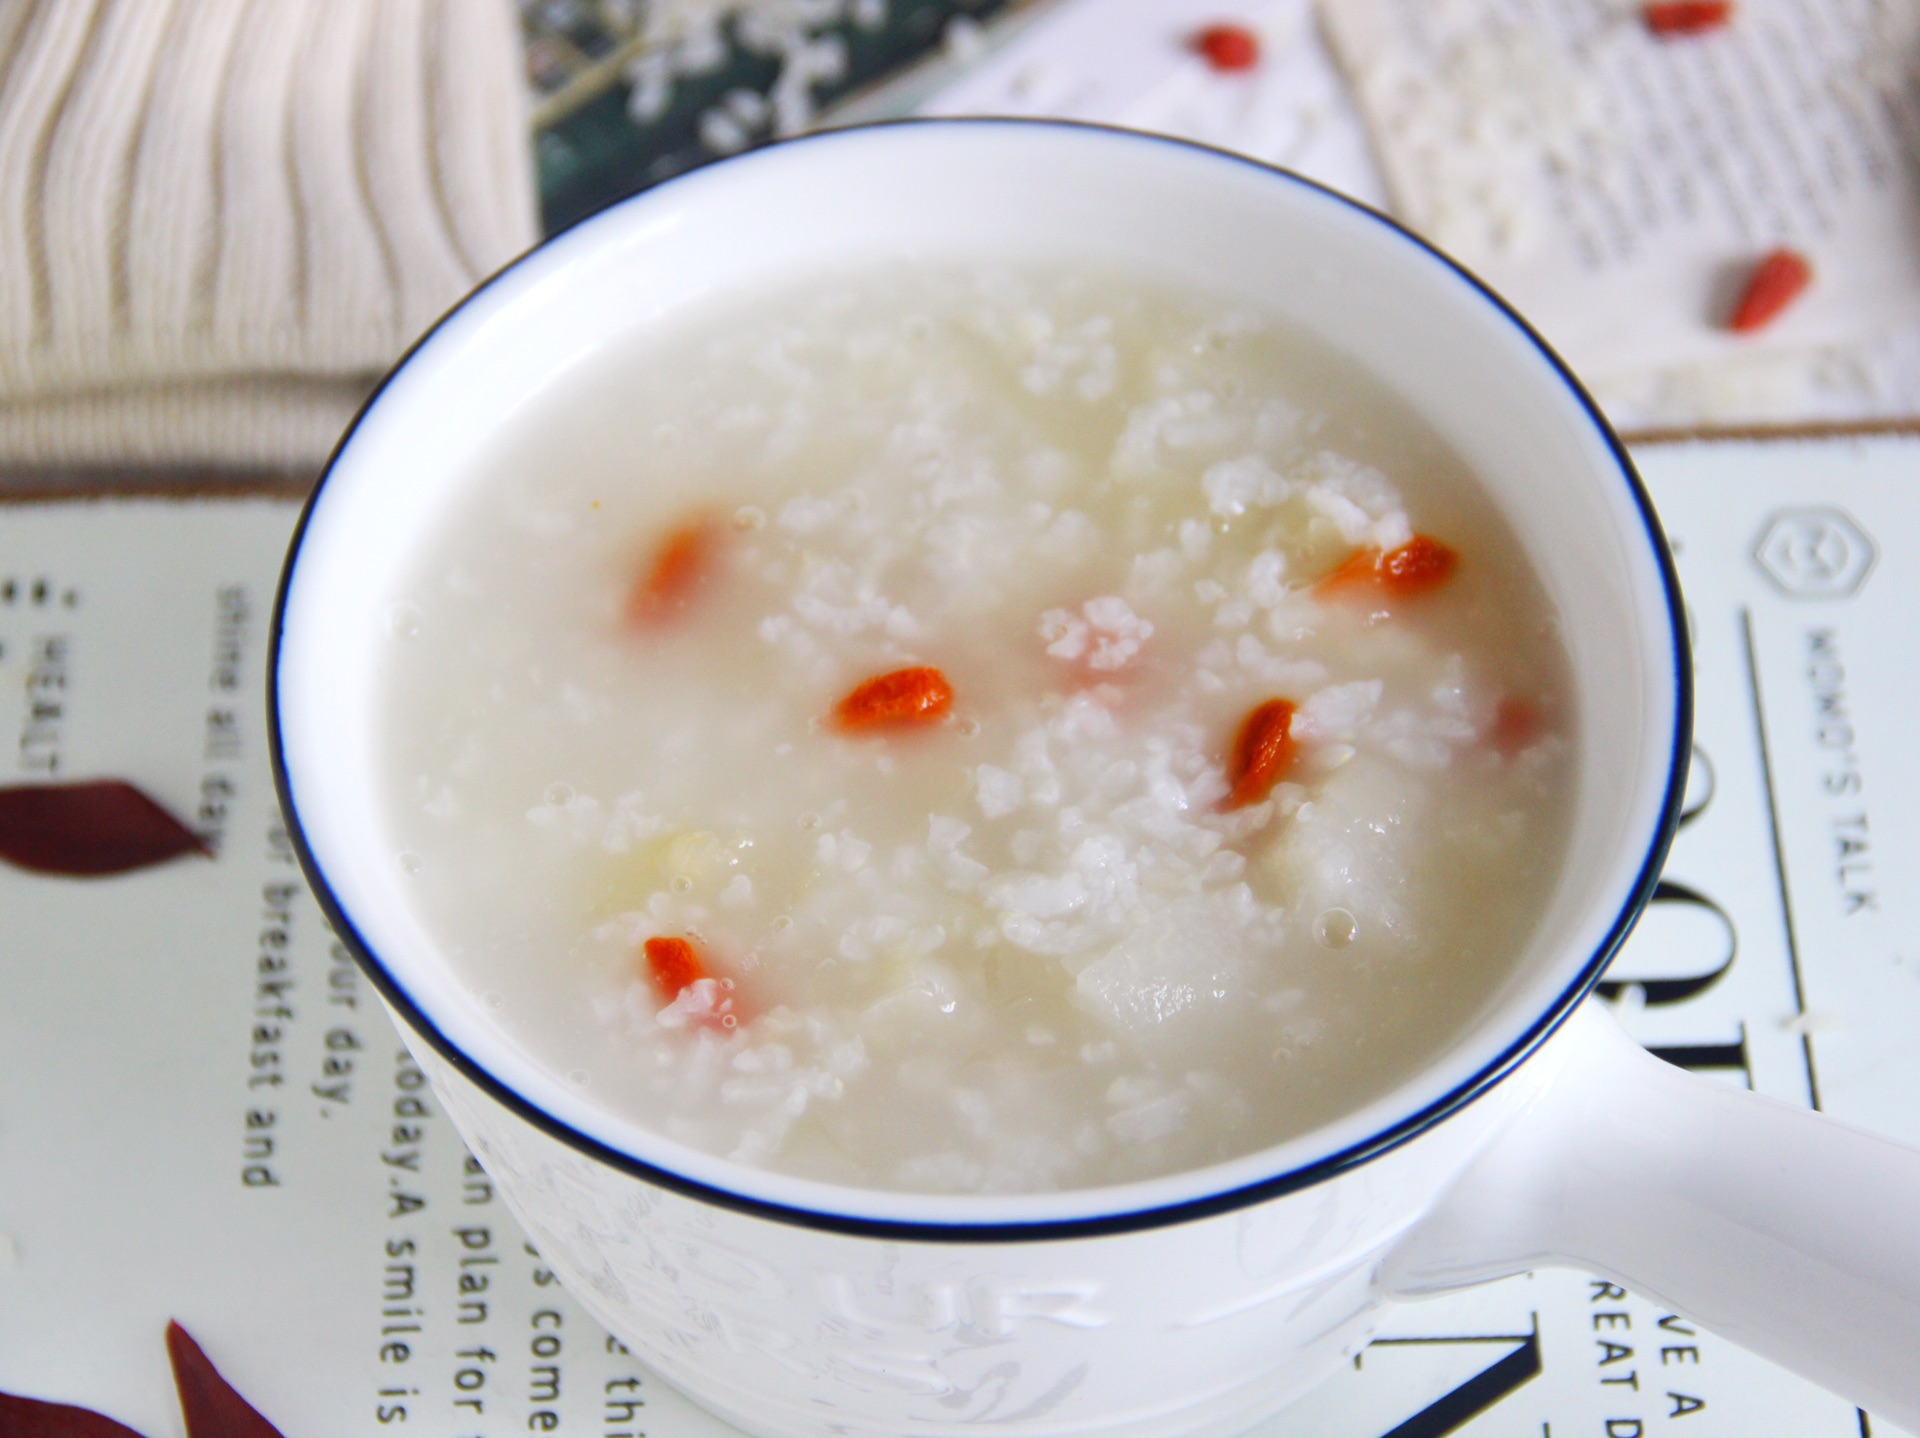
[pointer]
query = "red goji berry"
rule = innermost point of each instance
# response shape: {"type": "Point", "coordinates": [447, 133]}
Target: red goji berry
{"type": "Point", "coordinates": [673, 964]}
{"type": "Point", "coordinates": [903, 697]}
{"type": "Point", "coordinates": [1774, 284]}
{"type": "Point", "coordinates": [681, 567]}
{"type": "Point", "coordinates": [1361, 568]}
{"type": "Point", "coordinates": [1228, 47]}
{"type": "Point", "coordinates": [1419, 565]}
{"type": "Point", "coordinates": [1263, 751]}
{"type": "Point", "coordinates": [1686, 17]}
{"type": "Point", "coordinates": [1516, 724]}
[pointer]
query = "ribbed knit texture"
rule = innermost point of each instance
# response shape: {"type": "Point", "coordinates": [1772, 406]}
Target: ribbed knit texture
{"type": "Point", "coordinates": [220, 220]}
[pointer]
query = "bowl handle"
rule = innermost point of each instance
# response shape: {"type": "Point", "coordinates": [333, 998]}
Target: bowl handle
{"type": "Point", "coordinates": [1789, 1233]}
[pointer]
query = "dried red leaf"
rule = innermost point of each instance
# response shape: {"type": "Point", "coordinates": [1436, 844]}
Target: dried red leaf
{"type": "Point", "coordinates": [86, 830]}
{"type": "Point", "coordinates": [673, 964]}
{"type": "Point", "coordinates": [1686, 17]}
{"type": "Point", "coordinates": [1775, 283]}
{"type": "Point", "coordinates": [904, 697]}
{"type": "Point", "coordinates": [1263, 751]}
{"type": "Point", "coordinates": [680, 568]}
{"type": "Point", "coordinates": [1419, 565]}
{"type": "Point", "coordinates": [1228, 47]}
{"type": "Point", "coordinates": [210, 1404]}
{"type": "Point", "coordinates": [31, 1418]}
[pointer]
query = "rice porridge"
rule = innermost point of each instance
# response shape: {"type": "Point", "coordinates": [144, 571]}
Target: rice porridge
{"type": "Point", "coordinates": [977, 730]}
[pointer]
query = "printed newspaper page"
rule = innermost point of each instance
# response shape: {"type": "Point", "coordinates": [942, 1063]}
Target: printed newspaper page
{"type": "Point", "coordinates": [1131, 63]}
{"type": "Point", "coordinates": [206, 1116]}
{"type": "Point", "coordinates": [1617, 187]}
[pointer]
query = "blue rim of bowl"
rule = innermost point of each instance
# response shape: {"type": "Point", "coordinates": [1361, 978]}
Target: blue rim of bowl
{"type": "Point", "coordinates": [1130, 1220]}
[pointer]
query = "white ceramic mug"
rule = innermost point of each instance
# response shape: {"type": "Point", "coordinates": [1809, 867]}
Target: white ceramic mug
{"type": "Point", "coordinates": [1199, 1302]}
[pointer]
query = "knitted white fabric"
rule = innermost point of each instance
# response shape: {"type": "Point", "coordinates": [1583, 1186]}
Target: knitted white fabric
{"type": "Point", "coordinates": [220, 220]}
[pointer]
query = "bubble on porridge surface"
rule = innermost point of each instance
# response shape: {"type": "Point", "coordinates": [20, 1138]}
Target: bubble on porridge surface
{"type": "Point", "coordinates": [579, 1078]}
{"type": "Point", "coordinates": [1335, 928]}
{"type": "Point", "coordinates": [409, 862]}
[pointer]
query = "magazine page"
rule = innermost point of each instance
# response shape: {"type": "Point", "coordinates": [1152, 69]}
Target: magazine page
{"type": "Point", "coordinates": [207, 1117]}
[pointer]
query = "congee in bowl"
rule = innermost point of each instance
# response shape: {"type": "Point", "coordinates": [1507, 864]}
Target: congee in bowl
{"type": "Point", "coordinates": [977, 730]}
